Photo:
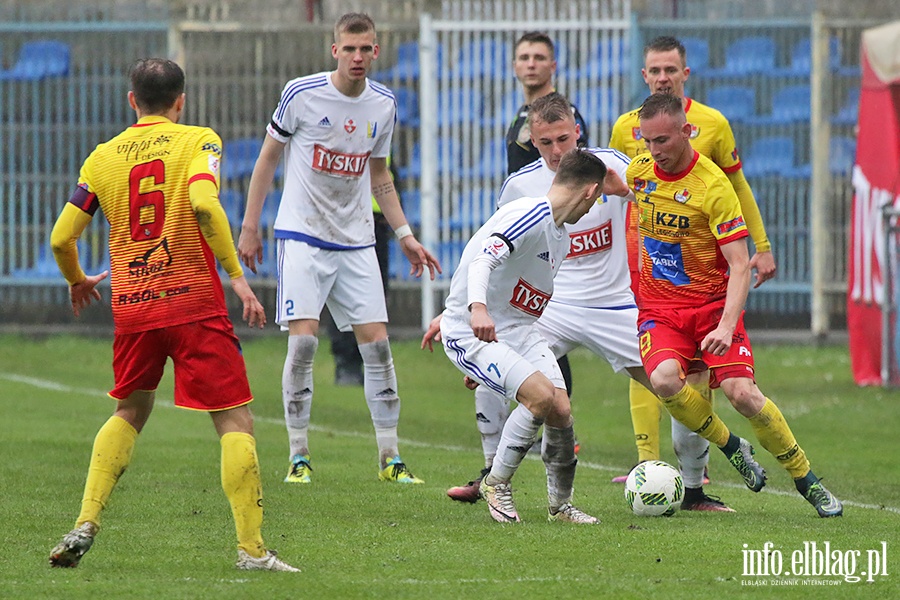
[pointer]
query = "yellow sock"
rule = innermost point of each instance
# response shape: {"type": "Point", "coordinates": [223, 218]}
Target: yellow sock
{"type": "Point", "coordinates": [703, 389]}
{"type": "Point", "coordinates": [775, 435]}
{"type": "Point", "coordinates": [110, 457]}
{"type": "Point", "coordinates": [645, 413]}
{"type": "Point", "coordinates": [689, 407]}
{"type": "Point", "coordinates": [241, 482]}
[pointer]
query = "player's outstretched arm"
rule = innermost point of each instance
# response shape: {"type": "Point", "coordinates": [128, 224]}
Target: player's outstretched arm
{"type": "Point", "coordinates": [254, 313]}
{"type": "Point", "coordinates": [250, 248]}
{"type": "Point", "coordinates": [432, 334]}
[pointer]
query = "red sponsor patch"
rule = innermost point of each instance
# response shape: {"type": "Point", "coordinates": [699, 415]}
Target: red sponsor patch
{"type": "Point", "coordinates": [529, 299]}
{"type": "Point", "coordinates": [339, 163]}
{"type": "Point", "coordinates": [591, 241]}
{"type": "Point", "coordinates": [731, 225]}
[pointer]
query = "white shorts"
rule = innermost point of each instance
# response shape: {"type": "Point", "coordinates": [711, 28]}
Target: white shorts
{"type": "Point", "coordinates": [609, 333]}
{"type": "Point", "coordinates": [504, 365]}
{"type": "Point", "coordinates": [348, 281]}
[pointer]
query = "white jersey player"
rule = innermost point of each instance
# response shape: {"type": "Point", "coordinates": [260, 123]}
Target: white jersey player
{"type": "Point", "coordinates": [501, 287]}
{"type": "Point", "coordinates": [334, 130]}
{"type": "Point", "coordinates": [592, 305]}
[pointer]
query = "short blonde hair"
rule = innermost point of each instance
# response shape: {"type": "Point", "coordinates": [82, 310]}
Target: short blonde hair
{"type": "Point", "coordinates": [353, 23]}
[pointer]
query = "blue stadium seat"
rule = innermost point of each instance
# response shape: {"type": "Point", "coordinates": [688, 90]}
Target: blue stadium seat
{"type": "Point", "coordinates": [801, 58]}
{"type": "Point", "coordinates": [406, 69]}
{"type": "Point", "coordinates": [233, 203]}
{"type": "Point", "coordinates": [449, 253]}
{"type": "Point", "coordinates": [770, 156]}
{"type": "Point", "coordinates": [474, 209]}
{"type": "Point", "coordinates": [411, 200]}
{"type": "Point", "coordinates": [448, 154]}
{"type": "Point", "coordinates": [841, 155]}
{"type": "Point", "coordinates": [790, 104]}
{"type": "Point", "coordinates": [736, 102]}
{"type": "Point", "coordinates": [412, 169]}
{"type": "Point", "coordinates": [610, 58]}
{"type": "Point", "coordinates": [490, 160]}
{"type": "Point", "coordinates": [849, 112]}
{"type": "Point", "coordinates": [239, 157]}
{"type": "Point", "coordinates": [591, 101]}
{"type": "Point", "coordinates": [457, 106]}
{"type": "Point", "coordinates": [39, 59]}
{"type": "Point", "coordinates": [697, 51]}
{"type": "Point", "coordinates": [270, 209]}
{"type": "Point", "coordinates": [484, 58]}
{"type": "Point", "coordinates": [504, 114]}
{"type": "Point", "coordinates": [407, 107]}
{"type": "Point", "coordinates": [748, 55]}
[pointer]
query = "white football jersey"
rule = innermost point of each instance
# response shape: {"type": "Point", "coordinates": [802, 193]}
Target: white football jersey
{"type": "Point", "coordinates": [327, 200]}
{"type": "Point", "coordinates": [595, 272]}
{"type": "Point", "coordinates": [530, 247]}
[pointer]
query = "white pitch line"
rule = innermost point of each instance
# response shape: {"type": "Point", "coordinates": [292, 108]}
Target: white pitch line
{"type": "Point", "coordinates": [59, 387]}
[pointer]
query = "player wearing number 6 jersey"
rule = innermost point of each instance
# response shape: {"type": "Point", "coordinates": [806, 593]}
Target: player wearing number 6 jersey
{"type": "Point", "coordinates": [157, 184]}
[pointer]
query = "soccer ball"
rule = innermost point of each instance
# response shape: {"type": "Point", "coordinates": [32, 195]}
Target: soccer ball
{"type": "Point", "coordinates": [654, 489]}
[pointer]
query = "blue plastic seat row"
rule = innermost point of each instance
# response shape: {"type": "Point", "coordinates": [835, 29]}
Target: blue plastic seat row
{"type": "Point", "coordinates": [39, 59]}
{"type": "Point", "coordinates": [775, 156]}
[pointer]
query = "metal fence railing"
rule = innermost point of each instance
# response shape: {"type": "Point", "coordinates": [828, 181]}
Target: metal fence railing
{"type": "Point", "coordinates": [447, 146]}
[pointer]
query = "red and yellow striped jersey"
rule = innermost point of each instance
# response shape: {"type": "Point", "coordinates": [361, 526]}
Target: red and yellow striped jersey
{"type": "Point", "coordinates": [683, 219]}
{"type": "Point", "coordinates": [711, 136]}
{"type": "Point", "coordinates": [163, 272]}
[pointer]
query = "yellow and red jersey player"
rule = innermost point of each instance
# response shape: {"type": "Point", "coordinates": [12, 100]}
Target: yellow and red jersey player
{"type": "Point", "coordinates": [694, 279]}
{"type": "Point", "coordinates": [157, 185]}
{"type": "Point", "coordinates": [148, 181]}
{"type": "Point", "coordinates": [685, 218]}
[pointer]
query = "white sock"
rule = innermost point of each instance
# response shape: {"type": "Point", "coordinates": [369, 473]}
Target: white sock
{"type": "Point", "coordinates": [692, 452]}
{"type": "Point", "coordinates": [297, 390]}
{"type": "Point", "coordinates": [491, 413]}
{"type": "Point", "coordinates": [558, 454]}
{"type": "Point", "coordinates": [518, 435]}
{"type": "Point", "coordinates": [380, 387]}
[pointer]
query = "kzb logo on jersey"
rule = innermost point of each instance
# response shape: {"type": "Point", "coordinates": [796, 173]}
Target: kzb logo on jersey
{"type": "Point", "coordinates": [339, 163]}
{"type": "Point", "coordinates": [683, 196]}
{"type": "Point", "coordinates": [529, 299]}
{"type": "Point", "coordinates": [664, 219]}
{"type": "Point", "coordinates": [591, 241]}
{"type": "Point", "coordinates": [349, 125]}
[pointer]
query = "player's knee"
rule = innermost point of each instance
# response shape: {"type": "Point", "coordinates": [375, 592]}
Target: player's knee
{"type": "Point", "coordinates": [301, 349]}
{"type": "Point", "coordinates": [743, 395]}
{"type": "Point", "coordinates": [538, 394]}
{"type": "Point", "coordinates": [377, 353]}
{"type": "Point", "coordinates": [665, 381]}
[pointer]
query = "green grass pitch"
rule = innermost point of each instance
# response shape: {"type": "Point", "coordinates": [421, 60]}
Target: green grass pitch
{"type": "Point", "coordinates": [168, 533]}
